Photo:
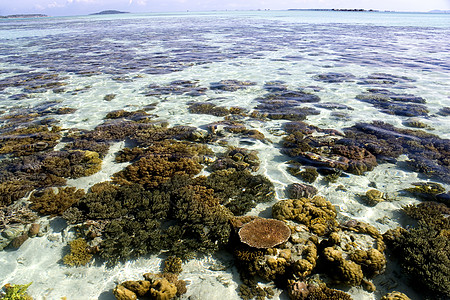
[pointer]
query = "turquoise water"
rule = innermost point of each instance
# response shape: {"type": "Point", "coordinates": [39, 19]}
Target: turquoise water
{"type": "Point", "coordinates": [339, 64]}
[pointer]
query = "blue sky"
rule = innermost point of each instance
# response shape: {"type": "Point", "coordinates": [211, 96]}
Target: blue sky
{"type": "Point", "coordinates": [80, 7]}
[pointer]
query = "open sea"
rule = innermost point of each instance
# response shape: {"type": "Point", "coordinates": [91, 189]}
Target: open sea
{"type": "Point", "coordinates": [345, 102]}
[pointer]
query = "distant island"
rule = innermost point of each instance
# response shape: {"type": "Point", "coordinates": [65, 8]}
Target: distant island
{"type": "Point", "coordinates": [438, 11]}
{"type": "Point", "coordinates": [110, 12]}
{"type": "Point", "coordinates": [24, 16]}
{"type": "Point", "coordinates": [334, 9]}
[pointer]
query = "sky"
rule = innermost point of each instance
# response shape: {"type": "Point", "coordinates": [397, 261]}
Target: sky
{"type": "Point", "coordinates": [82, 7]}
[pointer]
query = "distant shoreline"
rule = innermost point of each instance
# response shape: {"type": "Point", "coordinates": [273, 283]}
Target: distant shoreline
{"type": "Point", "coordinates": [335, 9]}
{"type": "Point", "coordinates": [18, 16]}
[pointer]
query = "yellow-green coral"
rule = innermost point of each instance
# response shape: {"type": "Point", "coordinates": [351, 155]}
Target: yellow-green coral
{"type": "Point", "coordinates": [15, 292]}
{"type": "Point", "coordinates": [79, 255]}
{"type": "Point", "coordinates": [316, 213]}
{"type": "Point", "coordinates": [345, 271]}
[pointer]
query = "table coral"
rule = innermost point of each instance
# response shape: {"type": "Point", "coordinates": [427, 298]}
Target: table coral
{"type": "Point", "coordinates": [264, 233]}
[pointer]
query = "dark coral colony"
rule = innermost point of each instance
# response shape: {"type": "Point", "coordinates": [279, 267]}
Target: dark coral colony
{"type": "Point", "coordinates": [187, 192]}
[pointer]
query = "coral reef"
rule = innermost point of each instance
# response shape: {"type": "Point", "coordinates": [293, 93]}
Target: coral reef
{"type": "Point", "coordinates": [300, 290]}
{"type": "Point", "coordinates": [264, 233]}
{"type": "Point", "coordinates": [47, 202]}
{"type": "Point", "coordinates": [177, 87]}
{"type": "Point", "coordinates": [79, 254]}
{"type": "Point", "coordinates": [230, 85]}
{"type": "Point", "coordinates": [394, 104]}
{"type": "Point", "coordinates": [372, 197]}
{"type": "Point", "coordinates": [18, 213]}
{"type": "Point", "coordinates": [208, 108]}
{"type": "Point", "coordinates": [168, 148]}
{"type": "Point", "coordinates": [221, 128]}
{"type": "Point", "coordinates": [427, 153]}
{"type": "Point", "coordinates": [307, 174]}
{"type": "Point", "coordinates": [333, 77]}
{"type": "Point", "coordinates": [162, 286]}
{"type": "Point", "coordinates": [29, 140]}
{"type": "Point", "coordinates": [172, 264]}
{"type": "Point", "coordinates": [323, 151]}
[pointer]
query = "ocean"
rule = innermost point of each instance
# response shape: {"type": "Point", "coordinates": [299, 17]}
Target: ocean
{"type": "Point", "coordinates": [377, 83]}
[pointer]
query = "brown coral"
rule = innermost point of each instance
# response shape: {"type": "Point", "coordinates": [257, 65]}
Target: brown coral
{"type": "Point", "coordinates": [47, 202]}
{"type": "Point", "coordinates": [264, 233]}
{"type": "Point", "coordinates": [152, 171]}
{"type": "Point", "coordinates": [79, 255]}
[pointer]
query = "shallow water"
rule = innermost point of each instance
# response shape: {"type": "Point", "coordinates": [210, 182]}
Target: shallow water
{"type": "Point", "coordinates": [333, 55]}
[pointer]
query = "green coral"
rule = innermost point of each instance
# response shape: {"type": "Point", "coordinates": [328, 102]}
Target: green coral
{"type": "Point", "coordinates": [15, 292]}
{"type": "Point", "coordinates": [424, 251]}
{"type": "Point", "coordinates": [79, 255]}
{"type": "Point", "coordinates": [240, 191]}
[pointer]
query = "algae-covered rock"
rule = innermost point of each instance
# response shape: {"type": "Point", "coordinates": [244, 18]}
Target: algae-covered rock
{"type": "Point", "coordinates": [373, 197]}
{"type": "Point", "coordinates": [300, 190]}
